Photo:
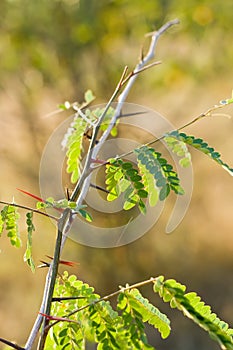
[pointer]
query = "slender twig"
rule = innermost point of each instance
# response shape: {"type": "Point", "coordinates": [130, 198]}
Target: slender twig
{"type": "Point", "coordinates": [30, 209]}
{"type": "Point", "coordinates": [107, 297]}
{"type": "Point", "coordinates": [66, 298]}
{"type": "Point", "coordinates": [12, 345]}
{"type": "Point", "coordinates": [206, 114]}
{"type": "Point", "coordinates": [134, 72]}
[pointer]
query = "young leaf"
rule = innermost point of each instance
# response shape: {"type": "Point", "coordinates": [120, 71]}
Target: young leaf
{"type": "Point", "coordinates": [89, 97]}
{"type": "Point", "coordinates": [9, 221]}
{"type": "Point", "coordinates": [121, 177]}
{"type": "Point", "coordinates": [150, 184]}
{"type": "Point", "coordinates": [179, 147]}
{"type": "Point", "coordinates": [72, 141]}
{"type": "Point", "coordinates": [85, 215]}
{"type": "Point", "coordinates": [134, 309]}
{"type": "Point", "coordinates": [28, 253]}
{"type": "Point", "coordinates": [165, 178]}
{"type": "Point", "coordinates": [1, 223]}
{"type": "Point", "coordinates": [149, 312]}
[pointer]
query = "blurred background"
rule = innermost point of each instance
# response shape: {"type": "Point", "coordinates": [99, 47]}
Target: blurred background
{"type": "Point", "coordinates": [53, 51]}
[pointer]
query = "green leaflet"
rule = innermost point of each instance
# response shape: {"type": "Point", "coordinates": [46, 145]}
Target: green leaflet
{"type": "Point", "coordinates": [192, 306]}
{"type": "Point", "coordinates": [179, 147]}
{"type": "Point", "coordinates": [9, 222]}
{"type": "Point", "coordinates": [73, 142]}
{"type": "Point", "coordinates": [149, 312]}
{"type": "Point", "coordinates": [28, 253]}
{"type": "Point", "coordinates": [165, 177]}
{"type": "Point", "coordinates": [201, 145]}
{"type": "Point", "coordinates": [89, 96]}
{"type": "Point", "coordinates": [135, 336]}
{"type": "Point", "coordinates": [121, 177]}
{"type": "Point", "coordinates": [1, 224]}
{"type": "Point", "coordinates": [73, 139]}
{"type": "Point", "coordinates": [87, 216]}
{"type": "Point", "coordinates": [149, 182]}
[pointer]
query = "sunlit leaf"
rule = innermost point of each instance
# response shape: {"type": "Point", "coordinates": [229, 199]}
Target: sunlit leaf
{"type": "Point", "coordinates": [28, 253]}
{"type": "Point", "coordinates": [89, 97]}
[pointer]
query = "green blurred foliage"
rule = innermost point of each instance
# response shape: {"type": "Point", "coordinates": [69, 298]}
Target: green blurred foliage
{"type": "Point", "coordinates": [51, 51]}
{"type": "Point", "coordinates": [71, 43]}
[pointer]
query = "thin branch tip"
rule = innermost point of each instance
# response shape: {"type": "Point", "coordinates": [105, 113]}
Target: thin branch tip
{"type": "Point", "coordinates": [163, 28]}
{"type": "Point", "coordinates": [176, 21]}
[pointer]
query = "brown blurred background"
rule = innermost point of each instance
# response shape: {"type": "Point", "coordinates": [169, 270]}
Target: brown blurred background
{"type": "Point", "coordinates": [52, 51]}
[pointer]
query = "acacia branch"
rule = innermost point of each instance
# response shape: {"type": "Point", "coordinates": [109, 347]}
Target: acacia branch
{"type": "Point", "coordinates": [83, 184]}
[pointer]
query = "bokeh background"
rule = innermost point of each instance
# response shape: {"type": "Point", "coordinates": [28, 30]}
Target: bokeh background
{"type": "Point", "coordinates": [52, 51]}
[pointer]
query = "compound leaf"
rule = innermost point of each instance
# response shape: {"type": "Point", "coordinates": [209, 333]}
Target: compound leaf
{"type": "Point", "coordinates": [149, 312]}
{"type": "Point", "coordinates": [194, 308]}
{"type": "Point", "coordinates": [201, 145]}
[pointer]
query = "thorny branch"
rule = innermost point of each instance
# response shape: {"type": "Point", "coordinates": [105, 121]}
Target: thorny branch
{"type": "Point", "coordinates": [83, 184]}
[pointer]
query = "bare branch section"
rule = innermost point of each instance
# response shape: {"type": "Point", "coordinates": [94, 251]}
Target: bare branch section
{"type": "Point", "coordinates": [80, 191]}
{"type": "Point", "coordinates": [148, 57]}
